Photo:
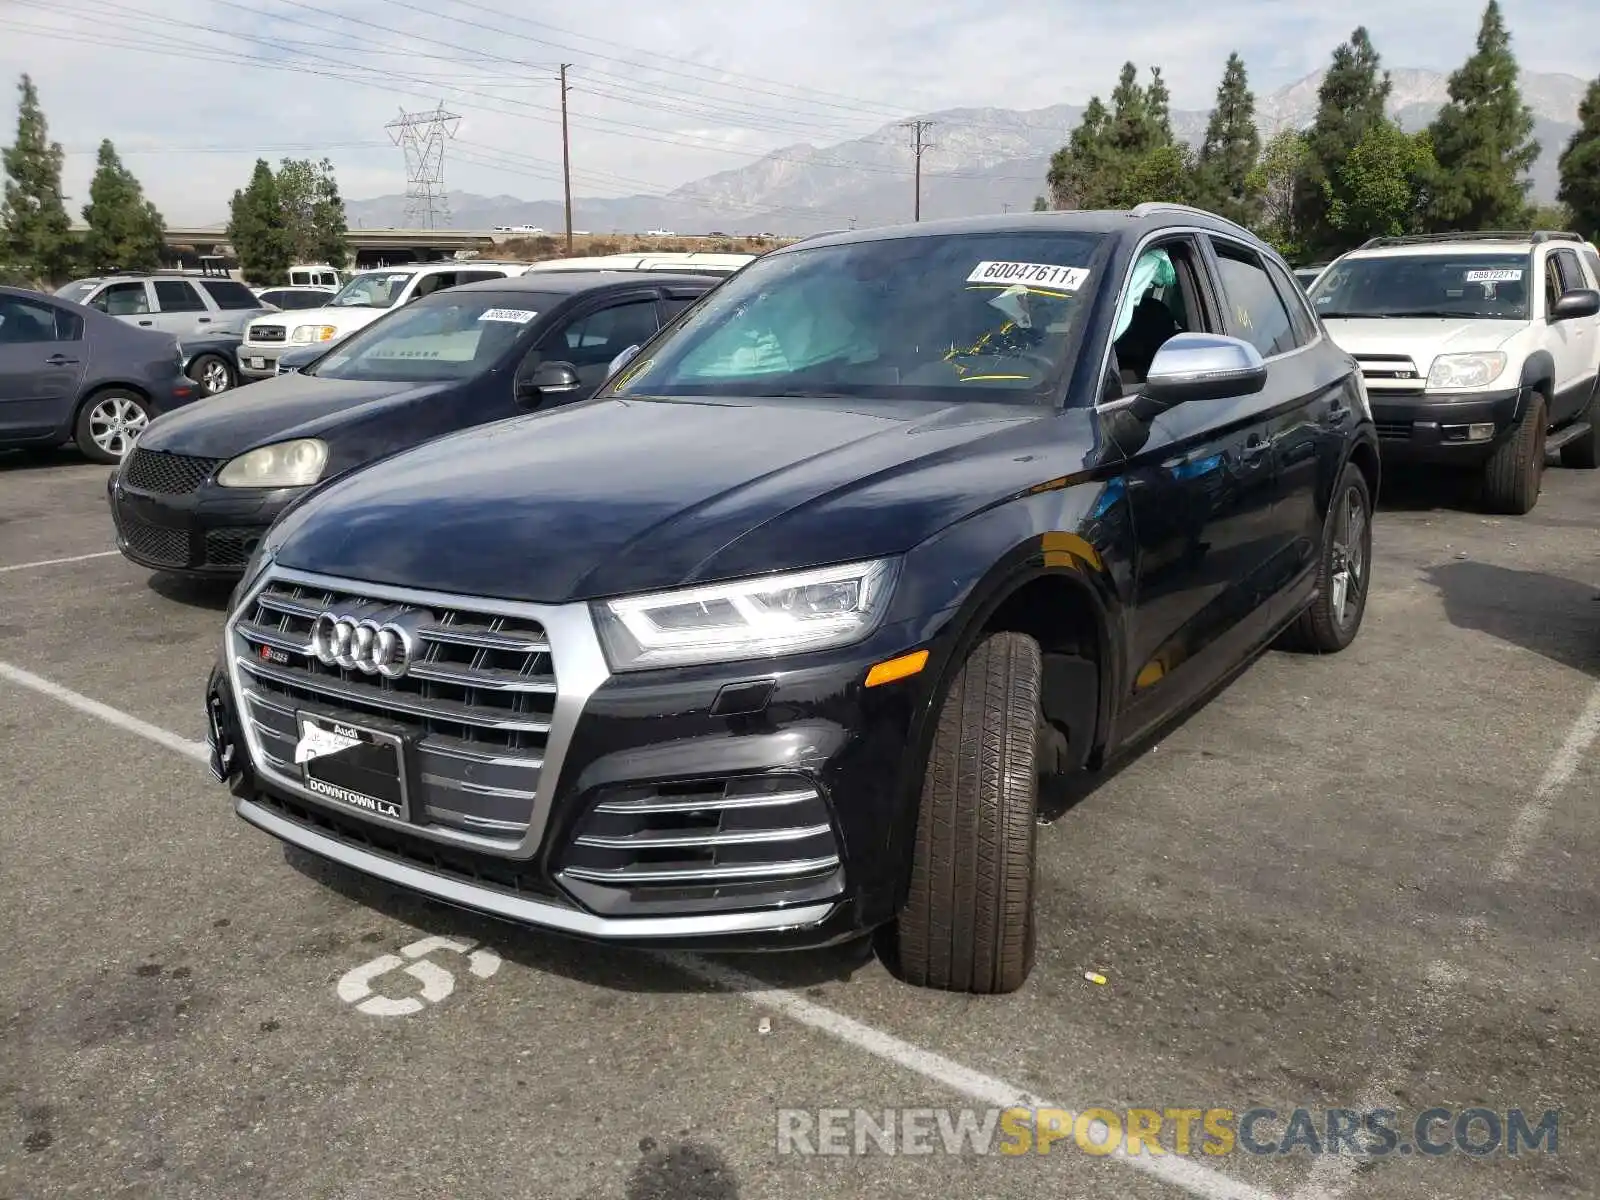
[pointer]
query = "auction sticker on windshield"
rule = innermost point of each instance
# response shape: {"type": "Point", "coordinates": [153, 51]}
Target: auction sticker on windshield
{"type": "Point", "coordinates": [1507, 275]}
{"type": "Point", "coordinates": [1068, 279]}
{"type": "Point", "coordinates": [518, 316]}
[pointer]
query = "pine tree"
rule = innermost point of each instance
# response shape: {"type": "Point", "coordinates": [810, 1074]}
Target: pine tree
{"type": "Point", "coordinates": [1352, 99]}
{"type": "Point", "coordinates": [38, 233]}
{"type": "Point", "coordinates": [1580, 167]}
{"type": "Point", "coordinates": [258, 231]}
{"type": "Point", "coordinates": [125, 230]}
{"type": "Point", "coordinates": [1131, 132]}
{"type": "Point", "coordinates": [1077, 170]}
{"type": "Point", "coordinates": [1226, 181]}
{"type": "Point", "coordinates": [1483, 139]}
{"type": "Point", "coordinates": [1158, 109]}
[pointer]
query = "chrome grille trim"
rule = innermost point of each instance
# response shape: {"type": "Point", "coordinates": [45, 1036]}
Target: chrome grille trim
{"type": "Point", "coordinates": [657, 840]}
{"type": "Point", "coordinates": [672, 804]}
{"type": "Point", "coordinates": [793, 869]}
{"type": "Point", "coordinates": [579, 668]}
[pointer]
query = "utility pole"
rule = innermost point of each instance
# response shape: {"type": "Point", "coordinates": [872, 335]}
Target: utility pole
{"type": "Point", "coordinates": [918, 145]}
{"type": "Point", "coordinates": [566, 155]}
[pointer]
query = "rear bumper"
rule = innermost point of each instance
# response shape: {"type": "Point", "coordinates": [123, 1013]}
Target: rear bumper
{"type": "Point", "coordinates": [1428, 428]}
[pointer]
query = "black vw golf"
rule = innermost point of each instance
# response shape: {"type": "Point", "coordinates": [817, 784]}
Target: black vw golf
{"type": "Point", "coordinates": [203, 485]}
{"type": "Point", "coordinates": [770, 642]}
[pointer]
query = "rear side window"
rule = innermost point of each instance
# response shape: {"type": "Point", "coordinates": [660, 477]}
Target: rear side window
{"type": "Point", "coordinates": [1255, 311]}
{"type": "Point", "coordinates": [175, 295]}
{"type": "Point", "coordinates": [230, 294]}
{"type": "Point", "coordinates": [1294, 299]}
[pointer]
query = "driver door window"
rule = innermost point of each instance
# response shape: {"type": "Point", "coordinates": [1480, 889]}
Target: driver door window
{"type": "Point", "coordinates": [123, 300]}
{"type": "Point", "coordinates": [591, 342]}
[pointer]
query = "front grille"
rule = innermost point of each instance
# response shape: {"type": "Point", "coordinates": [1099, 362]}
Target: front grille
{"type": "Point", "coordinates": [267, 333]}
{"type": "Point", "coordinates": [1394, 430]}
{"type": "Point", "coordinates": [167, 474]}
{"type": "Point", "coordinates": [230, 547]}
{"type": "Point", "coordinates": [478, 699]}
{"type": "Point", "coordinates": [155, 544]}
{"type": "Point", "coordinates": [722, 837]}
{"type": "Point", "coordinates": [1387, 366]}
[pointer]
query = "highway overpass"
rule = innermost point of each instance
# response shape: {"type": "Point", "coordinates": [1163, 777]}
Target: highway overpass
{"type": "Point", "coordinates": [370, 247]}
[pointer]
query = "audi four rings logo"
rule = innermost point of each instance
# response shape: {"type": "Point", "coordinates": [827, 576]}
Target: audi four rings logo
{"type": "Point", "coordinates": [373, 640]}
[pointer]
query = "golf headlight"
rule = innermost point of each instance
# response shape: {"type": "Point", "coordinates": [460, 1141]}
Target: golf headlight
{"type": "Point", "coordinates": [288, 464]}
{"type": "Point", "coordinates": [1456, 371]}
{"type": "Point", "coordinates": [312, 333]}
{"type": "Point", "coordinates": [751, 618]}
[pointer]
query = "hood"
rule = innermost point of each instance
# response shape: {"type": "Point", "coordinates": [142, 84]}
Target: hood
{"type": "Point", "coordinates": [286, 406]}
{"type": "Point", "coordinates": [345, 319]}
{"type": "Point", "coordinates": [1422, 338]}
{"type": "Point", "coordinates": [625, 495]}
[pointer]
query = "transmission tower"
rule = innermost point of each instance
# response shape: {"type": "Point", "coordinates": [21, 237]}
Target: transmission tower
{"type": "Point", "coordinates": [422, 135]}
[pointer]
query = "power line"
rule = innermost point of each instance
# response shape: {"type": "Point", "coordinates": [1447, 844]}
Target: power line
{"type": "Point", "coordinates": [918, 147]}
{"type": "Point", "coordinates": [421, 137]}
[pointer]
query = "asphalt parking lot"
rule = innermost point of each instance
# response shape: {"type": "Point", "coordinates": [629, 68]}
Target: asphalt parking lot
{"type": "Point", "coordinates": [1364, 881]}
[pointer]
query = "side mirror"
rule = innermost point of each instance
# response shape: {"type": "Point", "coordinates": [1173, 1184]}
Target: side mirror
{"type": "Point", "coordinates": [622, 360]}
{"type": "Point", "coordinates": [1580, 302]}
{"type": "Point", "coordinates": [1202, 366]}
{"type": "Point", "coordinates": [549, 379]}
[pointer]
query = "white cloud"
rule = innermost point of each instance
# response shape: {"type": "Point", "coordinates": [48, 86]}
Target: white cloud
{"type": "Point", "coordinates": [661, 93]}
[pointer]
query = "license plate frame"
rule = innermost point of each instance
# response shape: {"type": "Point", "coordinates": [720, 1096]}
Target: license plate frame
{"type": "Point", "coordinates": [370, 777]}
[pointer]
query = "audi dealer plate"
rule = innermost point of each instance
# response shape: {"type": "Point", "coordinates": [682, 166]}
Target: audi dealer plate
{"type": "Point", "coordinates": [353, 766]}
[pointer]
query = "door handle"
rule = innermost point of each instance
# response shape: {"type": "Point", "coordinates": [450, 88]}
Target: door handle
{"type": "Point", "coordinates": [59, 360]}
{"type": "Point", "coordinates": [202, 320]}
{"type": "Point", "coordinates": [147, 322]}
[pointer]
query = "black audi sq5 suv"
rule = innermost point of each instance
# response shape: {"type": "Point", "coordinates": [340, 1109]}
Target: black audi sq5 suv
{"type": "Point", "coordinates": [771, 643]}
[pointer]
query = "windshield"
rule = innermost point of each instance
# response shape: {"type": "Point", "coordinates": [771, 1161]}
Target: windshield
{"type": "Point", "coordinates": [991, 316]}
{"type": "Point", "coordinates": [1491, 286]}
{"type": "Point", "coordinates": [454, 335]}
{"type": "Point", "coordinates": [377, 289]}
{"type": "Point", "coordinates": [77, 290]}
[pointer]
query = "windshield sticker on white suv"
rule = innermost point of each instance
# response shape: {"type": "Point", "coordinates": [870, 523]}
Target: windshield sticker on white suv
{"type": "Point", "coordinates": [519, 316]}
{"type": "Point", "coordinates": [1507, 275]}
{"type": "Point", "coordinates": [1067, 279]}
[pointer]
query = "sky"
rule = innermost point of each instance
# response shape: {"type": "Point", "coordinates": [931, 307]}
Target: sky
{"type": "Point", "coordinates": [193, 91]}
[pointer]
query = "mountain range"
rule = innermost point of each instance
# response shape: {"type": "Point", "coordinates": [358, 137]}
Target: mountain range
{"type": "Point", "coordinates": [981, 160]}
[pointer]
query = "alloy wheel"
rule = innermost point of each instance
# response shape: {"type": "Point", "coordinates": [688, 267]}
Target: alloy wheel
{"type": "Point", "coordinates": [115, 423]}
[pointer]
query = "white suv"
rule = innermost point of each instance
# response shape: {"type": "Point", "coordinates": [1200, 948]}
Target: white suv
{"type": "Point", "coordinates": [1476, 348]}
{"type": "Point", "coordinates": [359, 303]}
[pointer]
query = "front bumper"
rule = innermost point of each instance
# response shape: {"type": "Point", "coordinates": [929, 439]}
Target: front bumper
{"type": "Point", "coordinates": [1430, 428]}
{"type": "Point", "coordinates": [266, 355]}
{"type": "Point", "coordinates": [208, 533]}
{"type": "Point", "coordinates": [737, 807]}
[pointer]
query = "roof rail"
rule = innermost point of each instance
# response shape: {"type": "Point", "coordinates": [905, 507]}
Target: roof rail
{"type": "Point", "coordinates": [1535, 236]}
{"type": "Point", "coordinates": [1151, 207]}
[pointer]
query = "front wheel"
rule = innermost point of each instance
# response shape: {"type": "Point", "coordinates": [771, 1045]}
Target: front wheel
{"type": "Point", "coordinates": [968, 922]}
{"type": "Point", "coordinates": [1343, 571]}
{"type": "Point", "coordinates": [109, 423]}
{"type": "Point", "coordinates": [1514, 472]}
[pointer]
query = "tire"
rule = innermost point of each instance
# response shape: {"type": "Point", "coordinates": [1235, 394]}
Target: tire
{"type": "Point", "coordinates": [968, 922]}
{"type": "Point", "coordinates": [1514, 472]}
{"type": "Point", "coordinates": [1579, 454]}
{"type": "Point", "coordinates": [213, 374]}
{"type": "Point", "coordinates": [108, 424]}
{"type": "Point", "coordinates": [1344, 572]}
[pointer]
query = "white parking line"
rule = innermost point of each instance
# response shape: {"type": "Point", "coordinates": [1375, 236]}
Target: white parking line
{"type": "Point", "coordinates": [104, 712]}
{"type": "Point", "coordinates": [1530, 821]}
{"type": "Point", "coordinates": [56, 562]}
{"type": "Point", "coordinates": [1183, 1173]}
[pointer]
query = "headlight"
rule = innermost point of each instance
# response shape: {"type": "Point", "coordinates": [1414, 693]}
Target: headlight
{"type": "Point", "coordinates": [1456, 371]}
{"type": "Point", "coordinates": [288, 464]}
{"type": "Point", "coordinates": [312, 333]}
{"type": "Point", "coordinates": [753, 618]}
